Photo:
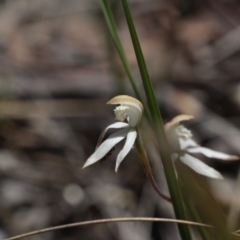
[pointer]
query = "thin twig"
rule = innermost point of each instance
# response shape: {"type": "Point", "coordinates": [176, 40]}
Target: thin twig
{"type": "Point", "coordinates": [146, 166]}
{"type": "Point", "coordinates": [155, 186]}
{"type": "Point", "coordinates": [111, 220]}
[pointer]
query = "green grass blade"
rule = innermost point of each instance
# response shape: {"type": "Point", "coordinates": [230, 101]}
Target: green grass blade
{"type": "Point", "coordinates": [152, 103]}
{"type": "Point", "coordinates": [116, 39]}
{"type": "Point", "coordinates": [158, 128]}
{"type": "Point", "coordinates": [203, 232]}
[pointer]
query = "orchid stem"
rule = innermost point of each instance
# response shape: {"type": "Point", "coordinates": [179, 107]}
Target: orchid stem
{"type": "Point", "coordinates": [146, 166]}
{"type": "Point", "coordinates": [157, 125]}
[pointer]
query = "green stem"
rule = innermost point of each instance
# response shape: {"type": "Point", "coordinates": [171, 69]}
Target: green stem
{"type": "Point", "coordinates": [158, 127]}
{"type": "Point", "coordinates": [117, 42]}
{"type": "Point", "coordinates": [203, 232]}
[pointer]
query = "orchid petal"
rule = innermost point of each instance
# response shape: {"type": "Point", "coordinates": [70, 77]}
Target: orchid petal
{"type": "Point", "coordinates": [175, 121]}
{"type": "Point", "coordinates": [131, 137]}
{"type": "Point", "coordinates": [114, 125]}
{"type": "Point", "coordinates": [185, 143]}
{"type": "Point", "coordinates": [200, 167]}
{"type": "Point", "coordinates": [212, 154]}
{"type": "Point", "coordinates": [106, 146]}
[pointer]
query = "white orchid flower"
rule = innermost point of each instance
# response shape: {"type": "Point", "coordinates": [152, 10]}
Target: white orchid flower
{"type": "Point", "coordinates": [130, 110]}
{"type": "Point", "coordinates": [184, 145]}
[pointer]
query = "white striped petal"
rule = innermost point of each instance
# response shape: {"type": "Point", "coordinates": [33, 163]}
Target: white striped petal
{"type": "Point", "coordinates": [131, 137]}
{"type": "Point", "coordinates": [200, 167]}
{"type": "Point", "coordinates": [114, 125]}
{"type": "Point", "coordinates": [212, 154]}
{"type": "Point", "coordinates": [106, 146]}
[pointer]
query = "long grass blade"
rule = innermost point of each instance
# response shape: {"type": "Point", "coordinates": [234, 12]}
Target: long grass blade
{"type": "Point", "coordinates": [116, 39]}
{"type": "Point", "coordinates": [108, 220]}
{"type": "Point", "coordinates": [158, 128]}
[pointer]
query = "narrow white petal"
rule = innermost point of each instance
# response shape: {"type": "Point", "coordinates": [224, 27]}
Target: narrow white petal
{"type": "Point", "coordinates": [106, 146]}
{"type": "Point", "coordinates": [185, 143]}
{"type": "Point", "coordinates": [212, 154]}
{"type": "Point", "coordinates": [131, 137]}
{"type": "Point", "coordinates": [200, 167]}
{"type": "Point", "coordinates": [114, 125]}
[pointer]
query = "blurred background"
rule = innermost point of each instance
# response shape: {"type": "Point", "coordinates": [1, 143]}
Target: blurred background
{"type": "Point", "coordinates": [59, 67]}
